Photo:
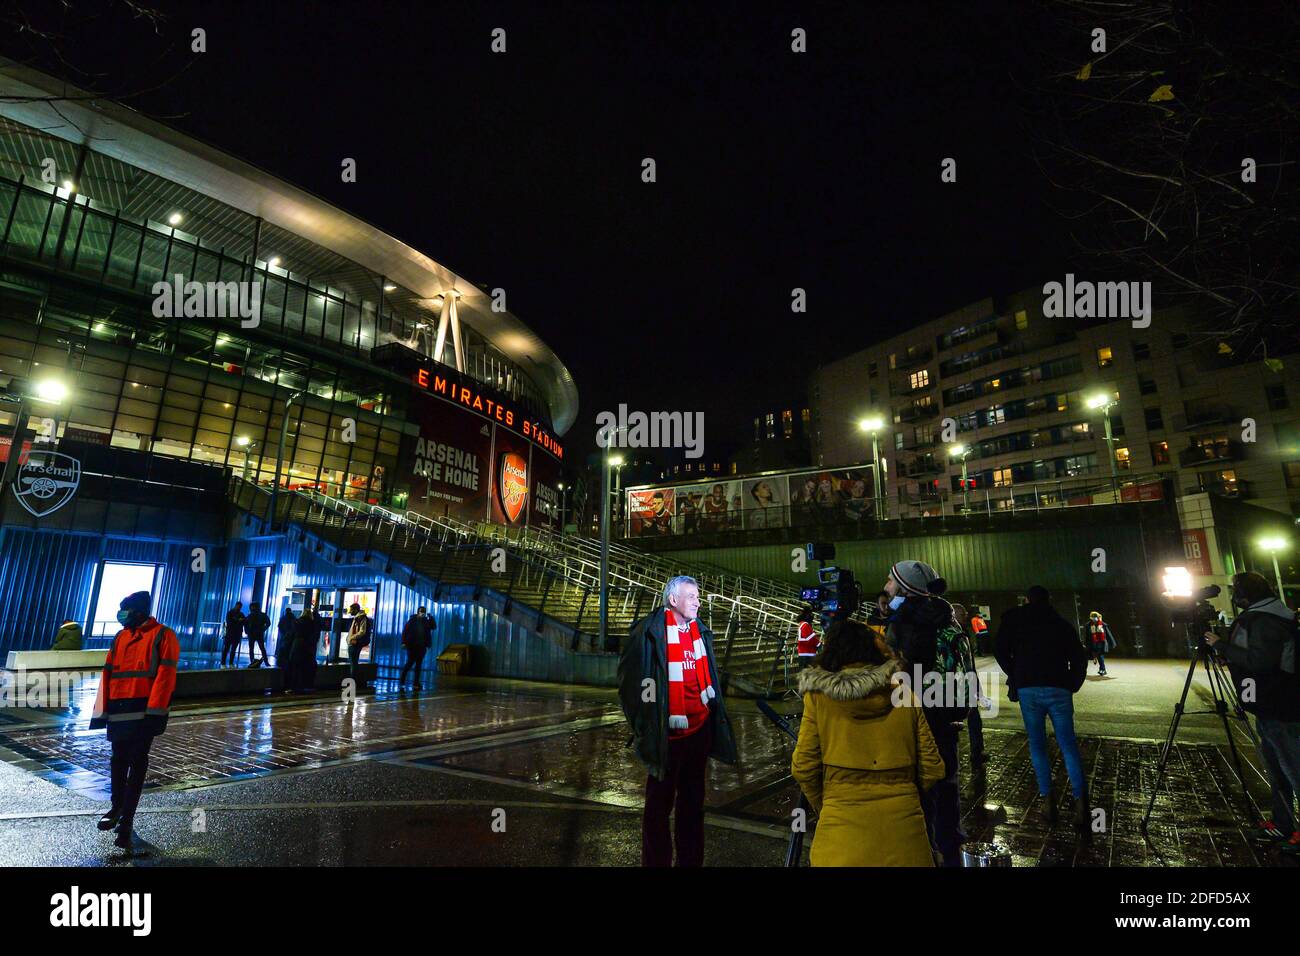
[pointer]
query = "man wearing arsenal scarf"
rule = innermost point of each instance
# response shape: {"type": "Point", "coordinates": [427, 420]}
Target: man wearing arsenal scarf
{"type": "Point", "coordinates": [671, 691]}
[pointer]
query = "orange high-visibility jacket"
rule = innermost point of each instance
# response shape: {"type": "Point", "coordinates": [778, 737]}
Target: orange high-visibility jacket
{"type": "Point", "coordinates": [135, 692]}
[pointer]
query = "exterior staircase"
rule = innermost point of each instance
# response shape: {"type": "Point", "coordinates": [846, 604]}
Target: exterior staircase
{"type": "Point", "coordinates": [554, 577]}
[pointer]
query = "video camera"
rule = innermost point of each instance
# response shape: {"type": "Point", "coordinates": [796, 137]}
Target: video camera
{"type": "Point", "coordinates": [837, 594]}
{"type": "Point", "coordinates": [1188, 607]}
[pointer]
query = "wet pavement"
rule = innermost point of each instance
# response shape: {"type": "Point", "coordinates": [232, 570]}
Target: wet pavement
{"type": "Point", "coordinates": [476, 771]}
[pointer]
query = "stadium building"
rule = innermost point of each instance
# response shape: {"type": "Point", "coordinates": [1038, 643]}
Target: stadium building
{"type": "Point", "coordinates": [178, 327]}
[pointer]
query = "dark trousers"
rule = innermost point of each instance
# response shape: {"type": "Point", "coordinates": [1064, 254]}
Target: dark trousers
{"type": "Point", "coordinates": [230, 648]}
{"type": "Point", "coordinates": [975, 725]}
{"type": "Point", "coordinates": [258, 641]}
{"type": "Point", "coordinates": [129, 763]}
{"type": "Point", "coordinates": [942, 804]}
{"type": "Point", "coordinates": [354, 658]}
{"type": "Point", "coordinates": [682, 790]}
{"type": "Point", "coordinates": [414, 659]}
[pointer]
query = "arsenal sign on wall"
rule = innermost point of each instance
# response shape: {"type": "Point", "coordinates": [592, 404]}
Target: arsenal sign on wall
{"type": "Point", "coordinates": [512, 485]}
{"type": "Point", "coordinates": [467, 465]}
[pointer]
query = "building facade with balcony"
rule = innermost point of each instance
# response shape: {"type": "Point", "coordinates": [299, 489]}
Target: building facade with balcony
{"type": "Point", "coordinates": [1014, 389]}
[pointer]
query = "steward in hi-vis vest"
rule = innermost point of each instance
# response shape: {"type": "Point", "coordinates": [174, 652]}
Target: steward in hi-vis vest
{"type": "Point", "coordinates": [135, 696]}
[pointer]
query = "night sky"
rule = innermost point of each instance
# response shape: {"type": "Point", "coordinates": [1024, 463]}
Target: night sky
{"type": "Point", "coordinates": [523, 170]}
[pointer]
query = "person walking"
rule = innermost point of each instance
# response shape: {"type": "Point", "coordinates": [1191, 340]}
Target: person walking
{"type": "Point", "coordinates": [358, 640]}
{"type": "Point", "coordinates": [256, 624]}
{"type": "Point", "coordinates": [933, 649]}
{"type": "Point", "coordinates": [808, 642]}
{"type": "Point", "coordinates": [234, 634]}
{"type": "Point", "coordinates": [862, 761]}
{"type": "Point", "coordinates": [670, 690]}
{"type": "Point", "coordinates": [1045, 666]}
{"type": "Point", "coordinates": [1263, 654]}
{"type": "Point", "coordinates": [974, 722]}
{"type": "Point", "coordinates": [302, 661]}
{"type": "Point", "coordinates": [68, 638]}
{"type": "Point", "coordinates": [284, 629]}
{"type": "Point", "coordinates": [417, 635]}
{"type": "Point", "coordinates": [132, 705]}
{"type": "Point", "coordinates": [1100, 641]}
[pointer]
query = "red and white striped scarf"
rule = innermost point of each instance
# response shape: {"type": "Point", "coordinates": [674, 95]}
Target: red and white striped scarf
{"type": "Point", "coordinates": [676, 659]}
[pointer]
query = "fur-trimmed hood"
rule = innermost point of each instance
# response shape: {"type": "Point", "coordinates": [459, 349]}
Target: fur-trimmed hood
{"type": "Point", "coordinates": [849, 683]}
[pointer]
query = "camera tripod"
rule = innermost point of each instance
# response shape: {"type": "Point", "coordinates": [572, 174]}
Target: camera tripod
{"type": "Point", "coordinates": [794, 850]}
{"type": "Point", "coordinates": [1224, 693]}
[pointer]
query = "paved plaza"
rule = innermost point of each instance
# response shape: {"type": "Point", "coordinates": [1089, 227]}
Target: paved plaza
{"type": "Point", "coordinates": [476, 771]}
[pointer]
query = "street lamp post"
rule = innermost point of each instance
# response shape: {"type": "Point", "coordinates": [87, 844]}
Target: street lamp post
{"type": "Point", "coordinates": [874, 425]}
{"type": "Point", "coordinates": [963, 452]}
{"type": "Point", "coordinates": [1273, 545]}
{"type": "Point", "coordinates": [279, 452]}
{"type": "Point", "coordinates": [606, 437]}
{"type": "Point", "coordinates": [1106, 403]}
{"type": "Point", "coordinates": [244, 442]}
{"type": "Point", "coordinates": [563, 494]}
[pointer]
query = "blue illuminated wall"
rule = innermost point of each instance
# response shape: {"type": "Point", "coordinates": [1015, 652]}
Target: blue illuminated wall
{"type": "Point", "coordinates": [46, 577]}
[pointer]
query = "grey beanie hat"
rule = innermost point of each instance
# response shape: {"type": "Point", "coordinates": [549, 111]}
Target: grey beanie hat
{"type": "Point", "coordinates": [916, 579]}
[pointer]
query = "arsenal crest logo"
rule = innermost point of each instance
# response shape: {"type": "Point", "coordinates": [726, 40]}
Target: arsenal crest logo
{"type": "Point", "coordinates": [513, 485]}
{"type": "Point", "coordinates": [47, 481]}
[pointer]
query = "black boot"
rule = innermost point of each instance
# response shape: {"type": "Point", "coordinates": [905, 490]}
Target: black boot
{"type": "Point", "coordinates": [124, 838]}
{"type": "Point", "coordinates": [1082, 814]}
{"type": "Point", "coordinates": [1049, 808]}
{"type": "Point", "coordinates": [109, 820]}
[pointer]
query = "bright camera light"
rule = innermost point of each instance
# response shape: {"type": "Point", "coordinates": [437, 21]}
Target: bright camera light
{"type": "Point", "coordinates": [1274, 543]}
{"type": "Point", "coordinates": [1097, 401]}
{"type": "Point", "coordinates": [174, 219]}
{"type": "Point", "coordinates": [1177, 582]}
{"type": "Point", "coordinates": [872, 424]}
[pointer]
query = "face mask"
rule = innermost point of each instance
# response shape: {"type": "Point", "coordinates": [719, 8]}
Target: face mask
{"type": "Point", "coordinates": [897, 602]}
{"type": "Point", "coordinates": [124, 617]}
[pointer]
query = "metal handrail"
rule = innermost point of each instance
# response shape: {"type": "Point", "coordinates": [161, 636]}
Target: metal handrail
{"type": "Point", "coordinates": [748, 608]}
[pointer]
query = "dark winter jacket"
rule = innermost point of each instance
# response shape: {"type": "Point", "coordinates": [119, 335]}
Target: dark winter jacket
{"type": "Point", "coordinates": [418, 632]}
{"type": "Point", "coordinates": [284, 638]}
{"type": "Point", "coordinates": [1262, 648]}
{"type": "Point", "coordinates": [645, 656]}
{"type": "Point", "coordinates": [1039, 648]}
{"type": "Point", "coordinates": [912, 632]}
{"type": "Point", "coordinates": [256, 625]}
{"type": "Point", "coordinates": [234, 625]}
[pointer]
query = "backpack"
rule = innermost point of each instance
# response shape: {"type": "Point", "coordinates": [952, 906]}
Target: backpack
{"type": "Point", "coordinates": [952, 651]}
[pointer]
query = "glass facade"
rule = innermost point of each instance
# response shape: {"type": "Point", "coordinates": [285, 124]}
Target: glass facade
{"type": "Point", "coordinates": [77, 301]}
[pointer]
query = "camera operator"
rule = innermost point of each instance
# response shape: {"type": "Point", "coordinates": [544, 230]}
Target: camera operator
{"type": "Point", "coordinates": [918, 617]}
{"type": "Point", "coordinates": [1262, 651]}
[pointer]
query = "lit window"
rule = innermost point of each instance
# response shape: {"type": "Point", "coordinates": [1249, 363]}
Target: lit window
{"type": "Point", "coordinates": [1160, 452]}
{"type": "Point", "coordinates": [1104, 357]}
{"type": "Point", "coordinates": [893, 360]}
{"type": "Point", "coordinates": [1122, 458]}
{"type": "Point", "coordinates": [919, 379]}
{"type": "Point", "coordinates": [806, 415]}
{"type": "Point", "coordinates": [995, 383]}
{"type": "Point", "coordinates": [1022, 320]}
{"type": "Point", "coordinates": [1001, 477]}
{"type": "Point", "coordinates": [787, 423]}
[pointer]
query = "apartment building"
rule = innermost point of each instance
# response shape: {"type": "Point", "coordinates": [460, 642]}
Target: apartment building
{"type": "Point", "coordinates": [1028, 397]}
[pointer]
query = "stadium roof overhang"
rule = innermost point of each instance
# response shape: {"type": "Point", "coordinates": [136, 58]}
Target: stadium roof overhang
{"type": "Point", "coordinates": [110, 129]}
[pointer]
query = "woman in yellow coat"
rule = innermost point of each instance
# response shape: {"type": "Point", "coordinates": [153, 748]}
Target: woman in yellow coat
{"type": "Point", "coordinates": [862, 761]}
